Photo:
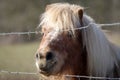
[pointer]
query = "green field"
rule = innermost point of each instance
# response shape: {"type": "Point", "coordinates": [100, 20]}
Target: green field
{"type": "Point", "coordinates": [18, 57]}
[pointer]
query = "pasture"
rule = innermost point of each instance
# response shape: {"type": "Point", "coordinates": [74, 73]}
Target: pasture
{"type": "Point", "coordinates": [20, 57]}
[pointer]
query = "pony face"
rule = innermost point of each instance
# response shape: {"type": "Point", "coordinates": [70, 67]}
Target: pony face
{"type": "Point", "coordinates": [56, 51]}
{"type": "Point", "coordinates": [60, 46]}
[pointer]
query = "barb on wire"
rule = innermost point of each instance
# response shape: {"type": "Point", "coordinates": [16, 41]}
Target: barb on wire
{"type": "Point", "coordinates": [36, 32]}
{"type": "Point", "coordinates": [8, 72]}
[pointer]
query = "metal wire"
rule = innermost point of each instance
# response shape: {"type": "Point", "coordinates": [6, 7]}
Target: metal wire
{"type": "Point", "coordinates": [66, 76]}
{"type": "Point", "coordinates": [90, 77]}
{"type": "Point", "coordinates": [21, 33]}
{"type": "Point", "coordinates": [112, 24]}
{"type": "Point", "coordinates": [36, 32]}
{"type": "Point", "coordinates": [25, 73]}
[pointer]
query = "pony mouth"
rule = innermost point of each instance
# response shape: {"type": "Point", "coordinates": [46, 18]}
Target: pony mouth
{"type": "Point", "coordinates": [44, 73]}
{"type": "Point", "coordinates": [48, 70]}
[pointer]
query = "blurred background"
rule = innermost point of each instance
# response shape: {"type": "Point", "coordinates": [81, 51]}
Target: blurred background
{"type": "Point", "coordinates": [17, 51]}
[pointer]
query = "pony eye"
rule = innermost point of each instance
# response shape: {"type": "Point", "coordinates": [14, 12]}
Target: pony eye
{"type": "Point", "coordinates": [49, 55]}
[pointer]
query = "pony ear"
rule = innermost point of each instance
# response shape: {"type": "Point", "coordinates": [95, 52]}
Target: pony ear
{"type": "Point", "coordinates": [80, 15]}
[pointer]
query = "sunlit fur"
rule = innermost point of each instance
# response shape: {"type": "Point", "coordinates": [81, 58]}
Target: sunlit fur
{"type": "Point", "coordinates": [103, 58]}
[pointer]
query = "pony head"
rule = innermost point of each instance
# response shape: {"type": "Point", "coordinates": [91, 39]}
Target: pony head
{"type": "Point", "coordinates": [61, 45]}
{"type": "Point", "coordinates": [64, 49]}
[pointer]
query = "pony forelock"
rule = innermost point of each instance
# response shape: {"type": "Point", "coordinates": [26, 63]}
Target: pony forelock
{"type": "Point", "coordinates": [61, 17]}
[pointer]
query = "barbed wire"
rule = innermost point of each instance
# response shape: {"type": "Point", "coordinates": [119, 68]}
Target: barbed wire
{"type": "Point", "coordinates": [112, 24]}
{"type": "Point", "coordinates": [90, 77]}
{"type": "Point", "coordinates": [19, 33]}
{"type": "Point", "coordinates": [8, 72]}
{"type": "Point", "coordinates": [36, 32]}
{"type": "Point", "coordinates": [66, 76]}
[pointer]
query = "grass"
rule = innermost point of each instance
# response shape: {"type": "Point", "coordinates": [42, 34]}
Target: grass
{"type": "Point", "coordinates": [18, 57]}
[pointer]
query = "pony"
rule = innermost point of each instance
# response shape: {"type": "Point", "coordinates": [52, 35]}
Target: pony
{"type": "Point", "coordinates": [65, 49]}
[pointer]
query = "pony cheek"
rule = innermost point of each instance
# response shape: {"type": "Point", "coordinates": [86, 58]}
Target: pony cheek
{"type": "Point", "coordinates": [59, 65]}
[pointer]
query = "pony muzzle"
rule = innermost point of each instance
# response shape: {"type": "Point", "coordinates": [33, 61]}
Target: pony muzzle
{"type": "Point", "coordinates": [45, 64]}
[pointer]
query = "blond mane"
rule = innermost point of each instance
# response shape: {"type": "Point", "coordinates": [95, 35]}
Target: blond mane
{"type": "Point", "coordinates": [61, 16]}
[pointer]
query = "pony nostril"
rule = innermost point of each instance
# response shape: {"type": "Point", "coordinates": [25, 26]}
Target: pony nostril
{"type": "Point", "coordinates": [37, 56]}
{"type": "Point", "coordinates": [42, 67]}
{"type": "Point", "coordinates": [49, 56]}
